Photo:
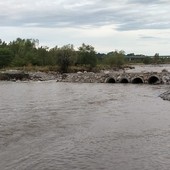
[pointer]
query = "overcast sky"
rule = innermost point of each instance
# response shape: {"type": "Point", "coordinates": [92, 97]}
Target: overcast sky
{"type": "Point", "coordinates": [139, 26]}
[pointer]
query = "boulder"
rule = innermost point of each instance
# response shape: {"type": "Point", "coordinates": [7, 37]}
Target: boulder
{"type": "Point", "coordinates": [165, 96]}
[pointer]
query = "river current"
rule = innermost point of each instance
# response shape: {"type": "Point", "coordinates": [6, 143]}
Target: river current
{"type": "Point", "coordinates": [69, 126]}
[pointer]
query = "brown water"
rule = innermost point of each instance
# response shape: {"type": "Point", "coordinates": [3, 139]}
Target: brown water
{"type": "Point", "coordinates": [65, 126]}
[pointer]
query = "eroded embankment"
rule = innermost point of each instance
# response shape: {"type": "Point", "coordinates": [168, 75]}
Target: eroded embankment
{"type": "Point", "coordinates": [9, 76]}
{"type": "Point", "coordinates": [15, 75]}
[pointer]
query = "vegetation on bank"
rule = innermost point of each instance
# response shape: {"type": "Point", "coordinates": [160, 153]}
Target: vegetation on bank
{"type": "Point", "coordinates": [26, 54]}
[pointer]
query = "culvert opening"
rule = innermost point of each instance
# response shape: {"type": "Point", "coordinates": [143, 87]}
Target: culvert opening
{"type": "Point", "coordinates": [124, 80]}
{"type": "Point", "coordinates": [137, 80]}
{"type": "Point", "coordinates": [153, 80]}
{"type": "Point", "coordinates": [110, 80]}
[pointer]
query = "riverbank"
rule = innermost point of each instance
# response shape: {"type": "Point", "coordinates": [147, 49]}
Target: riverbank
{"type": "Point", "coordinates": [138, 75]}
{"type": "Point", "coordinates": [17, 75]}
{"type": "Point", "coordinates": [135, 76]}
{"type": "Point", "coordinates": [161, 74]}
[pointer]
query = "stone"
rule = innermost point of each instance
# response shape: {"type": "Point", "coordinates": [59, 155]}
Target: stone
{"type": "Point", "coordinates": [165, 95]}
{"type": "Point", "coordinates": [165, 70]}
{"type": "Point", "coordinates": [79, 72]}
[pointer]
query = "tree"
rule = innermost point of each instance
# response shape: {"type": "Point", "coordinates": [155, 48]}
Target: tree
{"type": "Point", "coordinates": [115, 58]}
{"type": "Point", "coordinates": [5, 57]}
{"type": "Point", "coordinates": [87, 55]}
{"type": "Point", "coordinates": [65, 57]}
{"type": "Point", "coordinates": [156, 58]}
{"type": "Point", "coordinates": [42, 56]}
{"type": "Point", "coordinates": [3, 44]}
{"type": "Point", "coordinates": [53, 55]}
{"type": "Point", "coordinates": [147, 60]}
{"type": "Point", "coordinates": [23, 51]}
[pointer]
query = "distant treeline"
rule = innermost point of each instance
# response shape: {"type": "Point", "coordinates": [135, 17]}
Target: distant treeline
{"type": "Point", "coordinates": [156, 59]}
{"type": "Point", "coordinates": [26, 52]}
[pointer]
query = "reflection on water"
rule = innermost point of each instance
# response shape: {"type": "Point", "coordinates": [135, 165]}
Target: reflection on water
{"type": "Point", "coordinates": [49, 125]}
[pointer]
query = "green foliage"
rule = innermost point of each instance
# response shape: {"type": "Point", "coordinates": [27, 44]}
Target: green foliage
{"type": "Point", "coordinates": [87, 56]}
{"type": "Point", "coordinates": [5, 57]}
{"type": "Point", "coordinates": [27, 53]}
{"type": "Point", "coordinates": [115, 59]}
{"type": "Point", "coordinates": [147, 60]}
{"type": "Point", "coordinates": [42, 56]}
{"type": "Point", "coordinates": [65, 57]}
{"type": "Point", "coordinates": [156, 59]}
{"type": "Point", "coordinates": [24, 52]}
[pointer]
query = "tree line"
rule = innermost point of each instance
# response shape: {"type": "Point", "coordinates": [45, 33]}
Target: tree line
{"type": "Point", "coordinates": [26, 52]}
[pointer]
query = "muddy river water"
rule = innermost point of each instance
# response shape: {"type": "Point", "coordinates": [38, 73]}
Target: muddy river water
{"type": "Point", "coordinates": [72, 126]}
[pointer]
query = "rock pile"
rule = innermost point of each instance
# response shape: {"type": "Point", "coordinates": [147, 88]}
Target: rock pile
{"type": "Point", "coordinates": [42, 76]}
{"type": "Point", "coordinates": [84, 77]}
{"type": "Point", "coordinates": [165, 96]}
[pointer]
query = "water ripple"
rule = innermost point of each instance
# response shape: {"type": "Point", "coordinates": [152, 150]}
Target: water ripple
{"type": "Point", "coordinates": [49, 125]}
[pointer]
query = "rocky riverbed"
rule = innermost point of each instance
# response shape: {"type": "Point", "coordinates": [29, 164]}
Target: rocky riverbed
{"type": "Point", "coordinates": [81, 77]}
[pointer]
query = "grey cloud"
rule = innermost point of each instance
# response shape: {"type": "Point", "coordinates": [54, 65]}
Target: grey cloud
{"type": "Point", "coordinates": [148, 37]}
{"type": "Point", "coordinates": [145, 1]}
{"type": "Point", "coordinates": [126, 15]}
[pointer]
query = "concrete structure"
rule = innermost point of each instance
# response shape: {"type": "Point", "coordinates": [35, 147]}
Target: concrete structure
{"type": "Point", "coordinates": [90, 77]}
{"type": "Point", "coordinates": [140, 57]}
{"type": "Point", "coordinates": [134, 78]}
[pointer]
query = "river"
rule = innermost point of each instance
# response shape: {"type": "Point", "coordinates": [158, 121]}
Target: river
{"type": "Point", "coordinates": [73, 126]}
